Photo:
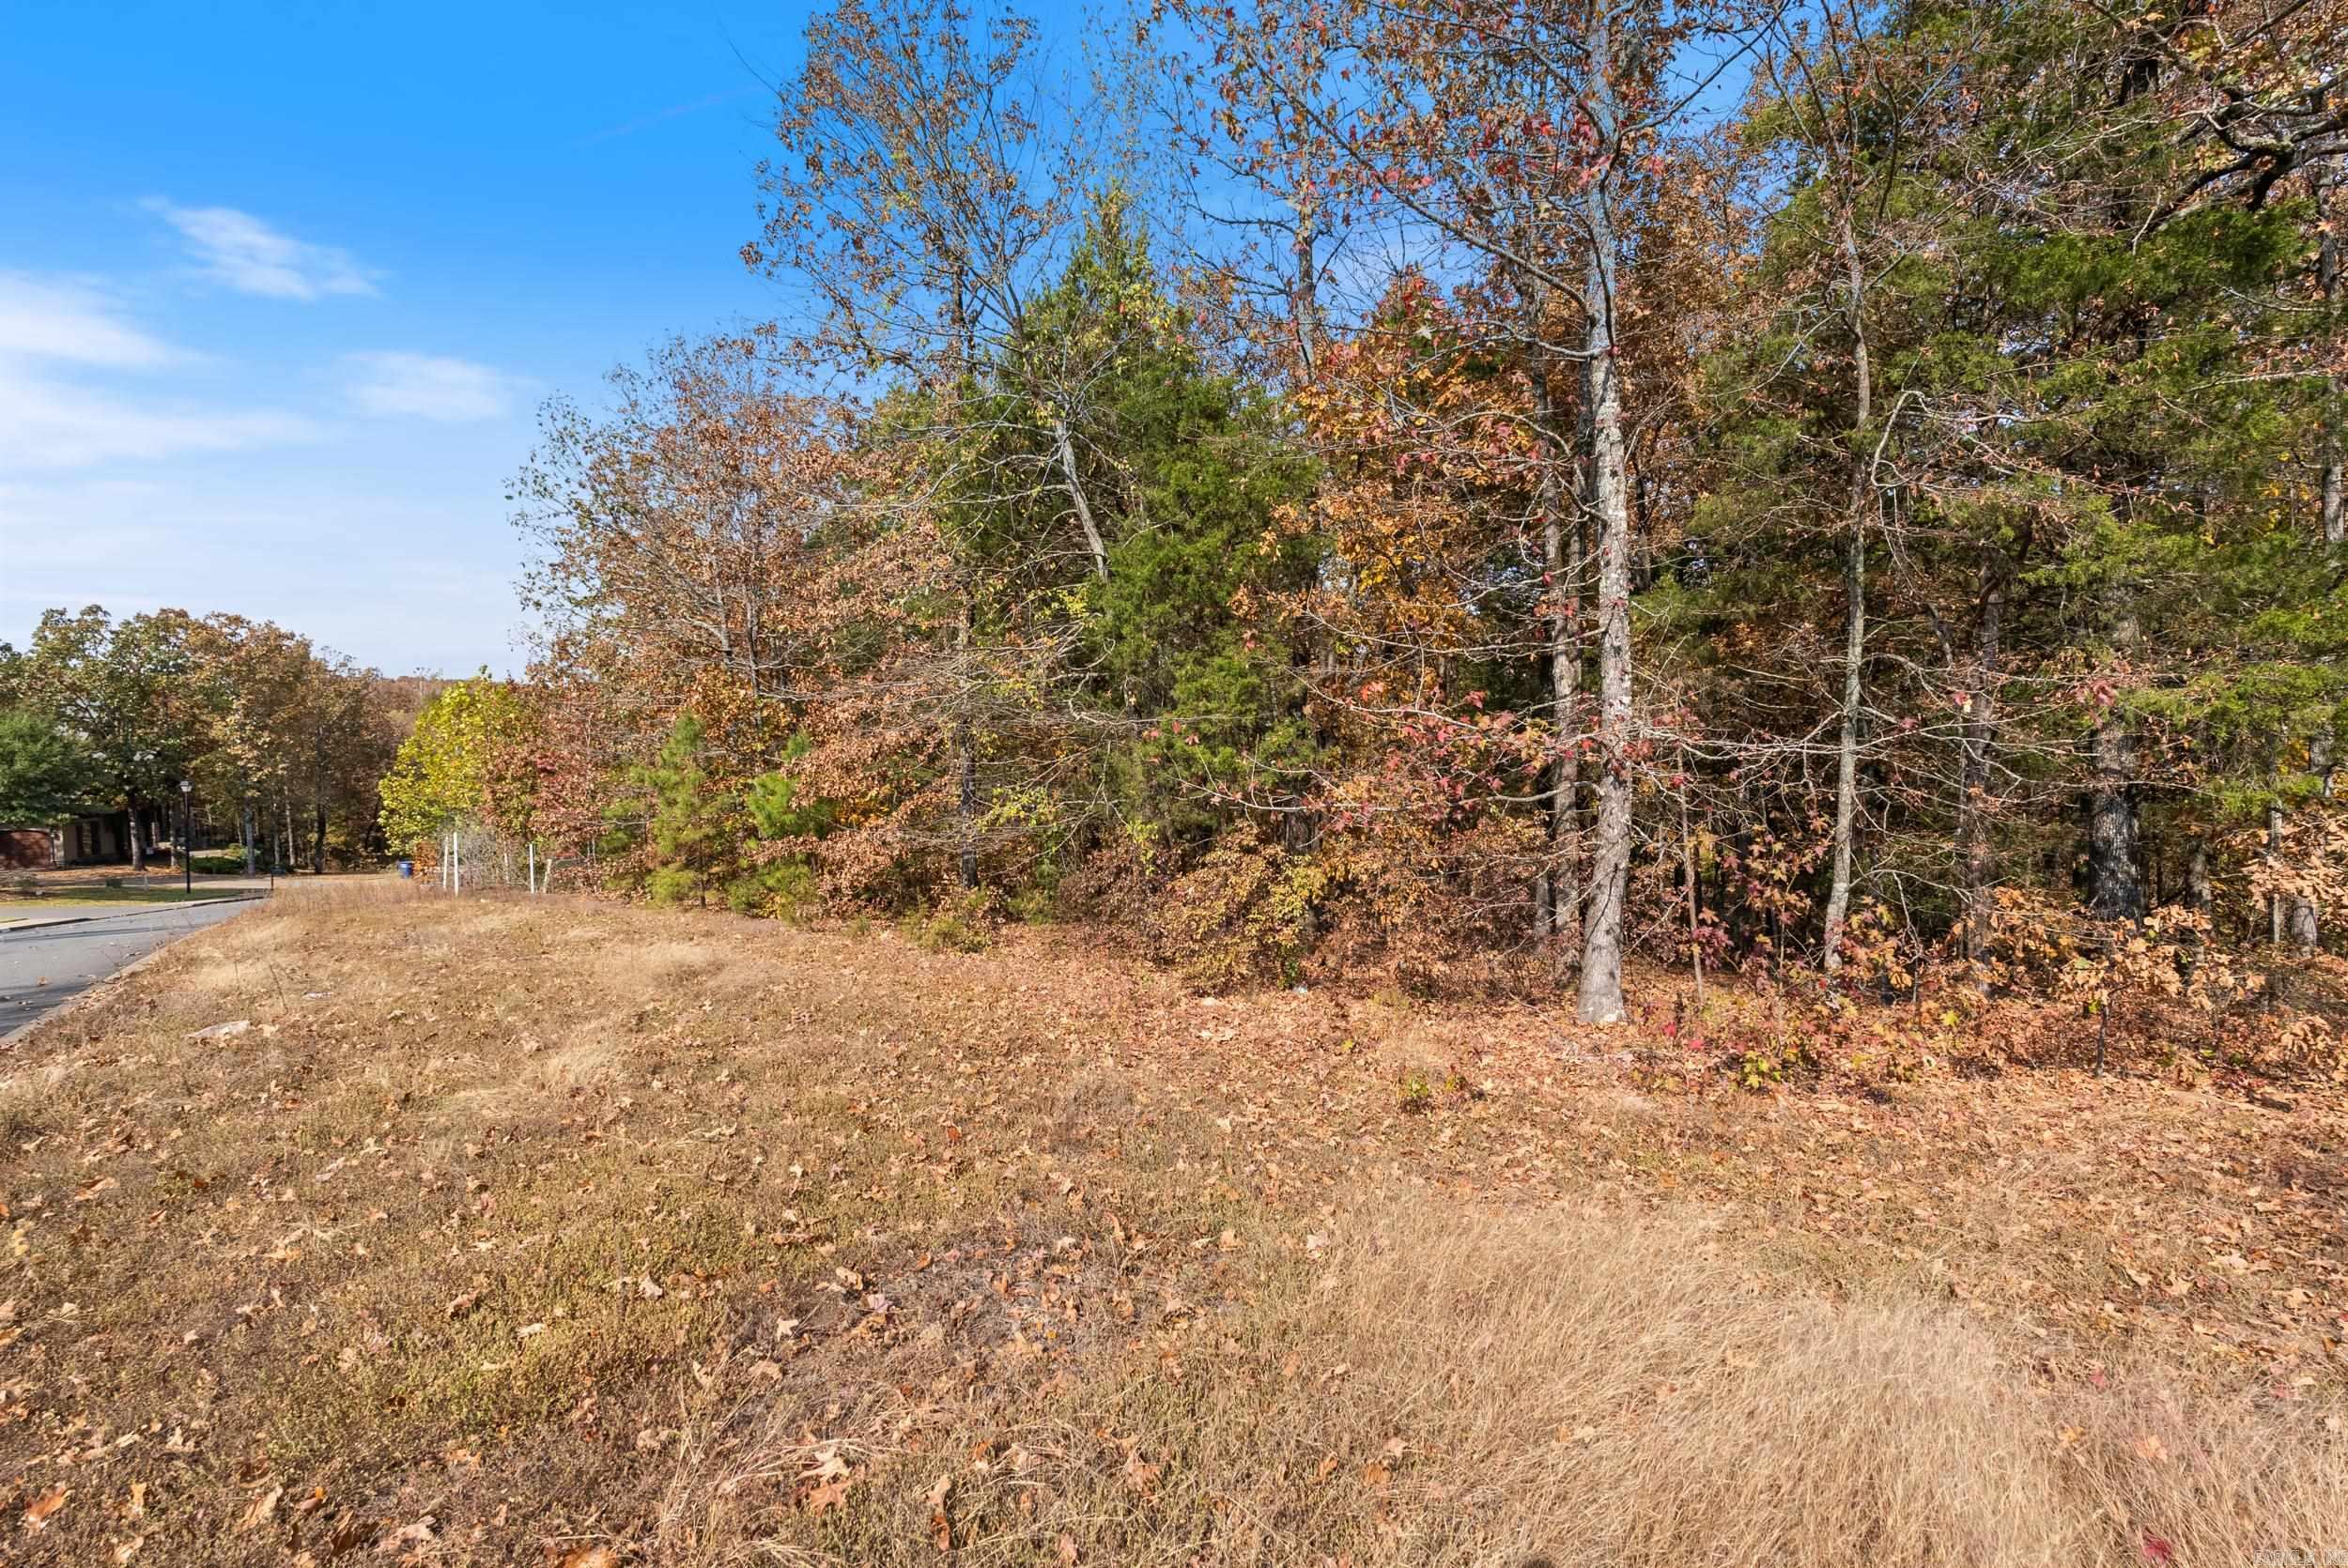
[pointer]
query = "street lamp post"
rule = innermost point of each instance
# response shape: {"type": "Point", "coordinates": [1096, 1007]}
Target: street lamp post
{"type": "Point", "coordinates": [187, 835]}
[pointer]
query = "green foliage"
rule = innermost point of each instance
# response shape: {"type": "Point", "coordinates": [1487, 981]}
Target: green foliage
{"type": "Point", "coordinates": [774, 800]}
{"type": "Point", "coordinates": [442, 774]}
{"type": "Point", "coordinates": [1960, 354]}
{"type": "Point", "coordinates": [1183, 469]}
{"type": "Point", "coordinates": [961, 927]}
{"type": "Point", "coordinates": [693, 838]}
{"type": "Point", "coordinates": [225, 863]}
{"type": "Point", "coordinates": [46, 776]}
{"type": "Point", "coordinates": [784, 890]}
{"type": "Point", "coordinates": [686, 819]}
{"type": "Point", "coordinates": [1247, 915]}
{"type": "Point", "coordinates": [123, 689]}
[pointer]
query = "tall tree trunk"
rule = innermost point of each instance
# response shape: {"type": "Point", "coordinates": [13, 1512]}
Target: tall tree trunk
{"type": "Point", "coordinates": [1600, 996]}
{"type": "Point", "coordinates": [2289, 918]}
{"type": "Point", "coordinates": [246, 823]}
{"type": "Point", "coordinates": [1559, 896]}
{"type": "Point", "coordinates": [2301, 929]}
{"type": "Point", "coordinates": [2115, 881]}
{"type": "Point", "coordinates": [1067, 451]}
{"type": "Point", "coordinates": [966, 693]}
{"type": "Point", "coordinates": [965, 754]}
{"type": "Point", "coordinates": [2275, 915]}
{"type": "Point", "coordinates": [1305, 293]}
{"type": "Point", "coordinates": [1976, 856]}
{"type": "Point", "coordinates": [2197, 893]}
{"type": "Point", "coordinates": [1846, 745]}
{"type": "Point", "coordinates": [318, 845]}
{"type": "Point", "coordinates": [2115, 887]}
{"type": "Point", "coordinates": [1855, 609]}
{"type": "Point", "coordinates": [138, 834]}
{"type": "Point", "coordinates": [2333, 505]}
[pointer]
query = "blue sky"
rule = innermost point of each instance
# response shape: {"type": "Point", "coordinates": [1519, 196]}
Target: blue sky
{"type": "Point", "coordinates": [281, 286]}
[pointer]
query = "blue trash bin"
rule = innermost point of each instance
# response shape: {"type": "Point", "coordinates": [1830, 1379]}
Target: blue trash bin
{"type": "Point", "coordinates": [407, 867]}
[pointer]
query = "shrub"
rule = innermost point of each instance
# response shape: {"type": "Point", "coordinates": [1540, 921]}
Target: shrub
{"type": "Point", "coordinates": [945, 933]}
{"type": "Point", "coordinates": [1246, 916]}
{"type": "Point", "coordinates": [1427, 914]}
{"type": "Point", "coordinates": [785, 890]}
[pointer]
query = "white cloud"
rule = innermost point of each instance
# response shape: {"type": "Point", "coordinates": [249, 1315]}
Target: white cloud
{"type": "Point", "coordinates": [427, 385]}
{"type": "Point", "coordinates": [89, 414]}
{"type": "Point", "coordinates": [47, 423]}
{"type": "Point", "coordinates": [73, 322]}
{"type": "Point", "coordinates": [247, 537]}
{"type": "Point", "coordinates": [245, 253]}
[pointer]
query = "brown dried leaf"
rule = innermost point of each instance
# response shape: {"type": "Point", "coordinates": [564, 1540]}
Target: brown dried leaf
{"type": "Point", "coordinates": [261, 1509]}
{"type": "Point", "coordinates": [38, 1512]}
{"type": "Point", "coordinates": [596, 1556]}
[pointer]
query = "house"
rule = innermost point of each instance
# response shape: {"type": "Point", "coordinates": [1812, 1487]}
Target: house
{"type": "Point", "coordinates": [97, 838]}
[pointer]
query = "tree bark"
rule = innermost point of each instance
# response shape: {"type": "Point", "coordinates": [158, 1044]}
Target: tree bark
{"type": "Point", "coordinates": [2197, 893]}
{"type": "Point", "coordinates": [1601, 994]}
{"type": "Point", "coordinates": [2115, 880]}
{"type": "Point", "coordinates": [2291, 919]}
{"type": "Point", "coordinates": [317, 846]}
{"type": "Point", "coordinates": [2115, 887]}
{"type": "Point", "coordinates": [1976, 854]}
{"type": "Point", "coordinates": [966, 754]}
{"type": "Point", "coordinates": [246, 823]}
{"type": "Point", "coordinates": [1306, 291]}
{"type": "Point", "coordinates": [1067, 451]}
{"type": "Point", "coordinates": [2332, 514]}
{"type": "Point", "coordinates": [1559, 896]}
{"type": "Point", "coordinates": [1846, 745]}
{"type": "Point", "coordinates": [2301, 929]}
{"type": "Point", "coordinates": [137, 834]}
{"type": "Point", "coordinates": [1855, 611]}
{"type": "Point", "coordinates": [2274, 857]}
{"type": "Point", "coordinates": [966, 693]}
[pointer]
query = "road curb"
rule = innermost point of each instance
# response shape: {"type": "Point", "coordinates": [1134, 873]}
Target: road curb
{"type": "Point", "coordinates": [105, 986]}
{"type": "Point", "coordinates": [40, 925]}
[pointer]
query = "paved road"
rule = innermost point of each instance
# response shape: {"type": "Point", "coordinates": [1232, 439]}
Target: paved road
{"type": "Point", "coordinates": [42, 967]}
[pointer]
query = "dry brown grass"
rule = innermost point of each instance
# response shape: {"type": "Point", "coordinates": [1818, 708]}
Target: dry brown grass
{"type": "Point", "coordinates": [1593, 1388]}
{"type": "Point", "coordinates": [522, 1226]}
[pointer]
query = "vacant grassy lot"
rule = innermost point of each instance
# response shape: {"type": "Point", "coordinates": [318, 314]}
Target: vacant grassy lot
{"type": "Point", "coordinates": [544, 1232]}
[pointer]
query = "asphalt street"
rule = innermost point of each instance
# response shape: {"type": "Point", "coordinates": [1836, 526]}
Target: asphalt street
{"type": "Point", "coordinates": [43, 966]}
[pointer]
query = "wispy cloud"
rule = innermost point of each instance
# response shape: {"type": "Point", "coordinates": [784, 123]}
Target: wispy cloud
{"type": "Point", "coordinates": [244, 254]}
{"type": "Point", "coordinates": [428, 386]}
{"type": "Point", "coordinates": [76, 386]}
{"type": "Point", "coordinates": [73, 322]}
{"type": "Point", "coordinates": [246, 534]}
{"type": "Point", "coordinates": [675, 111]}
{"type": "Point", "coordinates": [49, 424]}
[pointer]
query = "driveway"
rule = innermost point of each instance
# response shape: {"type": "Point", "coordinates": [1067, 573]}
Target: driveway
{"type": "Point", "coordinates": [44, 965]}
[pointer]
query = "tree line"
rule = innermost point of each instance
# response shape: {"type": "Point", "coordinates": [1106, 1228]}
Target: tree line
{"type": "Point", "coordinates": [281, 742]}
{"type": "Point", "coordinates": [1470, 491]}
